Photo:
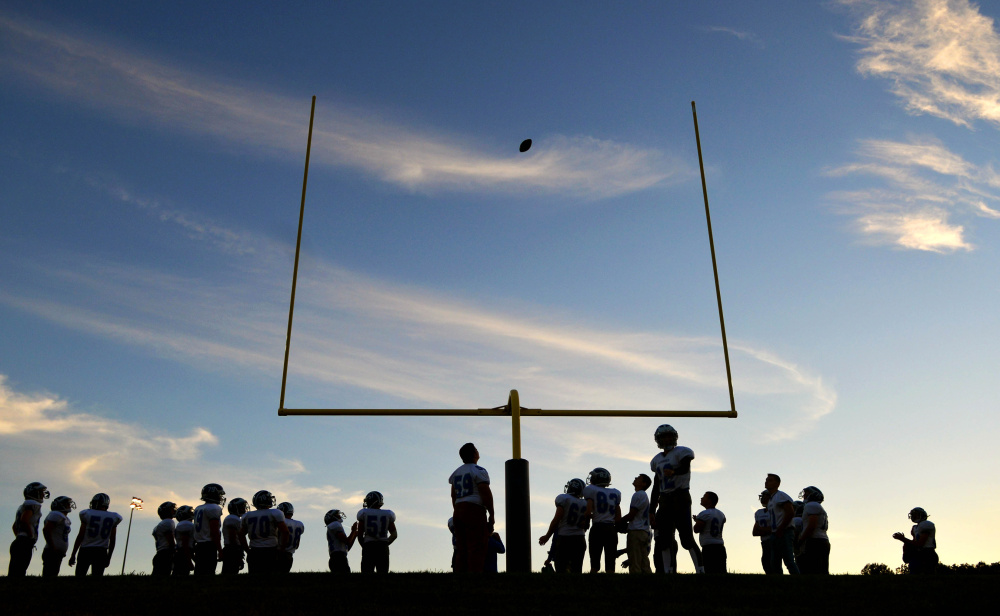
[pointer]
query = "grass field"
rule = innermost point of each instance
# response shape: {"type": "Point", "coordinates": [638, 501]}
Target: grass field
{"type": "Point", "coordinates": [439, 593]}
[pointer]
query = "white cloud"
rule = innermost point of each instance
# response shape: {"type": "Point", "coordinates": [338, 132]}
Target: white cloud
{"type": "Point", "coordinates": [923, 186]}
{"type": "Point", "coordinates": [141, 90]}
{"type": "Point", "coordinates": [941, 56]}
{"type": "Point", "coordinates": [748, 37]}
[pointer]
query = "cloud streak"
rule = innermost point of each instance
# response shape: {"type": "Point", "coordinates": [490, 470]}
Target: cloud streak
{"type": "Point", "coordinates": [941, 56]}
{"type": "Point", "coordinates": [136, 89]}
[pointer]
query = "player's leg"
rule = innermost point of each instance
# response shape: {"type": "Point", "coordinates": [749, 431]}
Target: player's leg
{"type": "Point", "coordinates": [478, 538]}
{"type": "Point", "coordinates": [367, 557]}
{"type": "Point", "coordinates": [163, 562]}
{"type": "Point", "coordinates": [645, 544]}
{"type": "Point", "coordinates": [679, 513]}
{"type": "Point", "coordinates": [20, 556]}
{"type": "Point", "coordinates": [382, 563]}
{"type": "Point", "coordinates": [595, 548]}
{"type": "Point", "coordinates": [461, 538]}
{"type": "Point", "coordinates": [788, 553]}
{"type": "Point", "coordinates": [610, 547]}
{"type": "Point", "coordinates": [578, 552]}
{"type": "Point", "coordinates": [99, 562]}
{"type": "Point", "coordinates": [765, 556]}
{"type": "Point", "coordinates": [51, 562]}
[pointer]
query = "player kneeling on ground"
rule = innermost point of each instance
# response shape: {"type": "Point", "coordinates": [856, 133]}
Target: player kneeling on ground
{"type": "Point", "coordinates": [163, 535]}
{"type": "Point", "coordinates": [338, 542]}
{"type": "Point", "coordinates": [377, 527]}
{"type": "Point", "coordinates": [235, 543]}
{"type": "Point", "coordinates": [208, 529]}
{"type": "Point", "coordinates": [570, 543]}
{"type": "Point", "coordinates": [708, 524]}
{"type": "Point", "coordinates": [295, 530]}
{"type": "Point", "coordinates": [25, 529]}
{"type": "Point", "coordinates": [920, 553]}
{"type": "Point", "coordinates": [184, 538]}
{"type": "Point", "coordinates": [267, 533]}
{"type": "Point", "coordinates": [96, 539]}
{"type": "Point", "coordinates": [814, 542]}
{"type": "Point", "coordinates": [56, 533]}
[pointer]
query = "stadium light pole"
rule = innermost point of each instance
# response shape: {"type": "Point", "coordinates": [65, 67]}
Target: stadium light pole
{"type": "Point", "coordinates": [135, 504]}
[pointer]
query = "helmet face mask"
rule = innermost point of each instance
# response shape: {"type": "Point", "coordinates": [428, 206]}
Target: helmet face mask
{"type": "Point", "coordinates": [599, 477]}
{"type": "Point", "coordinates": [167, 510]}
{"type": "Point", "coordinates": [574, 487]}
{"type": "Point", "coordinates": [36, 491]}
{"type": "Point", "coordinates": [63, 504]}
{"type": "Point", "coordinates": [917, 515]}
{"type": "Point", "coordinates": [665, 436]}
{"type": "Point", "coordinates": [213, 493]}
{"type": "Point", "coordinates": [287, 509]}
{"type": "Point", "coordinates": [373, 500]}
{"type": "Point", "coordinates": [334, 515]}
{"type": "Point", "coordinates": [238, 506]}
{"type": "Point", "coordinates": [101, 501]}
{"type": "Point", "coordinates": [263, 500]}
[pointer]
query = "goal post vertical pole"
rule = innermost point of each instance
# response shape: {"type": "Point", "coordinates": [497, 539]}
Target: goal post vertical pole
{"type": "Point", "coordinates": [715, 268]}
{"type": "Point", "coordinates": [295, 268]}
{"type": "Point", "coordinates": [518, 497]}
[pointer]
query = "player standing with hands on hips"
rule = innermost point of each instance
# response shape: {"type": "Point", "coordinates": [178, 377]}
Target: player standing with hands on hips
{"type": "Point", "coordinates": [472, 502]}
{"type": "Point", "coordinates": [672, 469]}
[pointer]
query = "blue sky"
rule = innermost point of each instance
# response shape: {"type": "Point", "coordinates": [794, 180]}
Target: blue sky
{"type": "Point", "coordinates": [152, 160]}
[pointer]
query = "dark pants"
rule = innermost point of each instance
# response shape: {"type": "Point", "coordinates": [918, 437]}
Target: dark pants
{"type": "Point", "coordinates": [20, 556]}
{"type": "Point", "coordinates": [923, 561]}
{"type": "Point", "coordinates": [603, 537]}
{"type": "Point", "coordinates": [163, 562]}
{"type": "Point", "coordinates": [664, 554]}
{"type": "Point", "coordinates": [51, 562]}
{"type": "Point", "coordinates": [765, 555]}
{"type": "Point", "coordinates": [284, 562]}
{"type": "Point", "coordinates": [232, 559]}
{"type": "Point", "coordinates": [714, 557]}
{"type": "Point", "coordinates": [674, 514]}
{"type": "Point", "coordinates": [182, 566]}
{"type": "Point", "coordinates": [206, 557]}
{"type": "Point", "coordinates": [569, 553]}
{"type": "Point", "coordinates": [93, 558]}
{"type": "Point", "coordinates": [783, 550]}
{"type": "Point", "coordinates": [375, 556]}
{"type": "Point", "coordinates": [338, 563]}
{"type": "Point", "coordinates": [262, 561]}
{"type": "Point", "coordinates": [815, 558]}
{"type": "Point", "coordinates": [470, 538]}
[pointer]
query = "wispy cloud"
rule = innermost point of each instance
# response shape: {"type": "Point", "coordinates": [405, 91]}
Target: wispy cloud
{"type": "Point", "coordinates": [747, 37]}
{"type": "Point", "coordinates": [941, 56]}
{"type": "Point", "coordinates": [137, 89]}
{"type": "Point", "coordinates": [922, 187]}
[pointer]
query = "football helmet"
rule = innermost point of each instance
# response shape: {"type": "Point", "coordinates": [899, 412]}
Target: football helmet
{"type": "Point", "coordinates": [238, 506]}
{"type": "Point", "coordinates": [263, 500]}
{"type": "Point", "coordinates": [574, 487]}
{"type": "Point", "coordinates": [100, 501]}
{"type": "Point", "coordinates": [213, 493]}
{"type": "Point", "coordinates": [287, 509]}
{"type": "Point", "coordinates": [797, 507]}
{"type": "Point", "coordinates": [36, 490]}
{"type": "Point", "coordinates": [166, 510]}
{"type": "Point", "coordinates": [917, 515]}
{"type": "Point", "coordinates": [764, 497]}
{"type": "Point", "coordinates": [334, 515]}
{"type": "Point", "coordinates": [665, 436]}
{"type": "Point", "coordinates": [811, 494]}
{"type": "Point", "coordinates": [63, 504]}
{"type": "Point", "coordinates": [185, 512]}
{"type": "Point", "coordinates": [373, 500]}
{"type": "Point", "coordinates": [599, 477]}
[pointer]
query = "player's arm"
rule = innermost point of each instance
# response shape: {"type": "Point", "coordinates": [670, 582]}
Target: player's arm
{"type": "Point", "coordinates": [215, 532]}
{"type": "Point", "coordinates": [282, 535]}
{"type": "Point", "coordinates": [618, 513]}
{"type": "Point", "coordinates": [654, 501]}
{"type": "Point", "coordinates": [24, 522]}
{"type": "Point", "coordinates": [553, 525]}
{"type": "Point", "coordinates": [699, 524]}
{"type": "Point", "coordinates": [392, 531]}
{"type": "Point", "coordinates": [111, 542]}
{"type": "Point", "coordinates": [487, 496]}
{"type": "Point", "coordinates": [77, 543]}
{"type": "Point", "coordinates": [760, 531]}
{"type": "Point", "coordinates": [348, 540]}
{"type": "Point", "coordinates": [590, 509]}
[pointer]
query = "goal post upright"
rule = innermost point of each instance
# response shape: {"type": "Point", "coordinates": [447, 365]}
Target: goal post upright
{"type": "Point", "coordinates": [517, 494]}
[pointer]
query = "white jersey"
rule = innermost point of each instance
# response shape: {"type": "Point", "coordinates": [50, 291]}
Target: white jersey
{"type": "Point", "coordinates": [31, 530]}
{"type": "Point", "coordinates": [97, 526]}
{"type": "Point", "coordinates": [374, 523]}
{"type": "Point", "coordinates": [160, 533]}
{"type": "Point", "coordinates": [763, 520]}
{"type": "Point", "coordinates": [822, 524]}
{"type": "Point", "coordinates": [203, 516]}
{"type": "Point", "coordinates": [573, 509]}
{"type": "Point", "coordinates": [59, 533]}
{"type": "Point", "coordinates": [465, 483]}
{"type": "Point", "coordinates": [671, 460]}
{"type": "Point", "coordinates": [711, 533]}
{"type": "Point", "coordinates": [333, 531]}
{"type": "Point", "coordinates": [261, 527]}
{"type": "Point", "coordinates": [776, 508]}
{"type": "Point", "coordinates": [606, 500]}
{"type": "Point", "coordinates": [796, 525]}
{"type": "Point", "coordinates": [184, 534]}
{"type": "Point", "coordinates": [295, 530]}
{"type": "Point", "coordinates": [925, 527]}
{"type": "Point", "coordinates": [231, 530]}
{"type": "Point", "coordinates": [640, 502]}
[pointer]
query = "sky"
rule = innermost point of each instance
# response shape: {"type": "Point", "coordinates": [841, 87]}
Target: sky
{"type": "Point", "coordinates": [152, 158]}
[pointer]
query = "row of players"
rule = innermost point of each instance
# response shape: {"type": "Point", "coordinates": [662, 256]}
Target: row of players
{"type": "Point", "coordinates": [666, 513]}
{"type": "Point", "coordinates": [200, 539]}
